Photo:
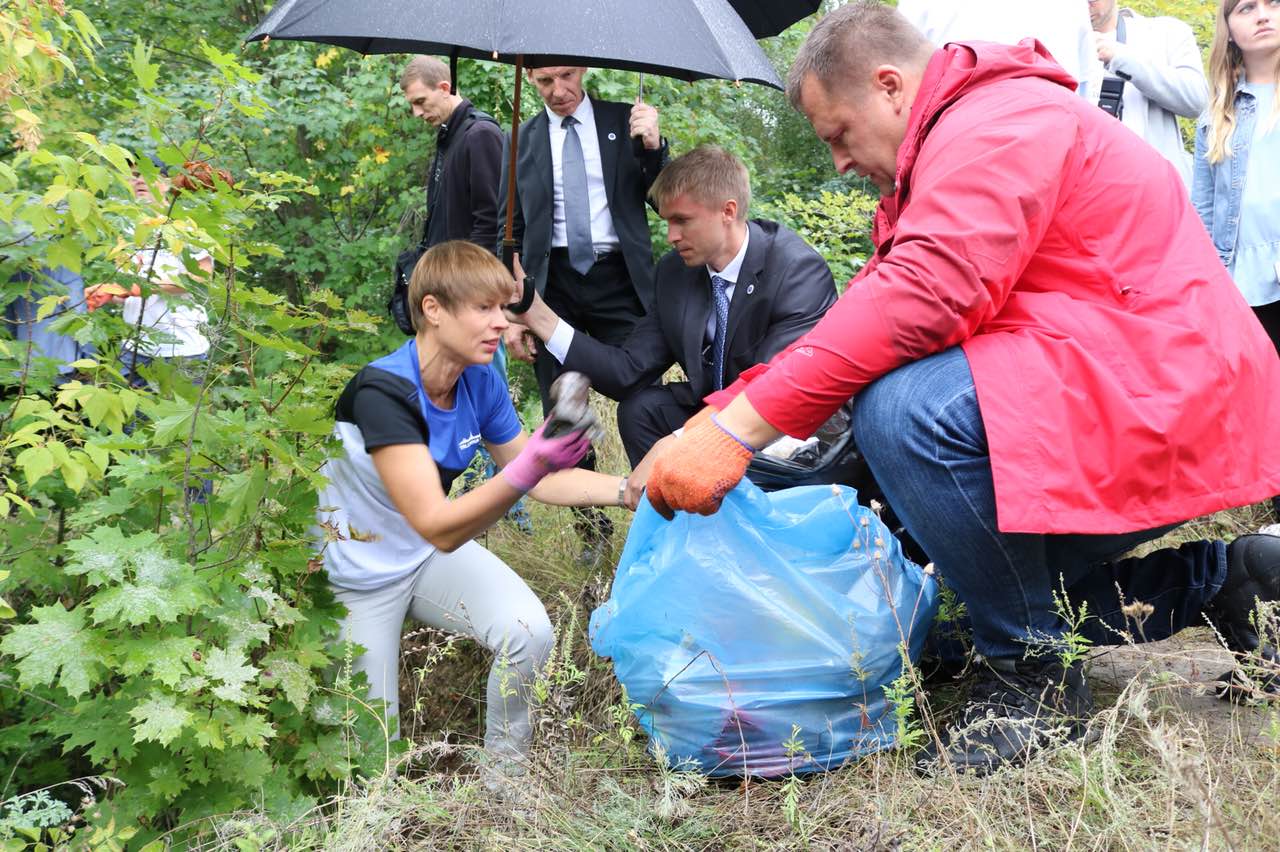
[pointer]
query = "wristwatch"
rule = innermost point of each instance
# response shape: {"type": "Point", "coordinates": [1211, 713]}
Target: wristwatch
{"type": "Point", "coordinates": [622, 491]}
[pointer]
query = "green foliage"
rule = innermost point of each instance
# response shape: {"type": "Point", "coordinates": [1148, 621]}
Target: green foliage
{"type": "Point", "coordinates": [172, 636]}
{"type": "Point", "coordinates": [836, 223]}
{"type": "Point", "coordinates": [909, 733]}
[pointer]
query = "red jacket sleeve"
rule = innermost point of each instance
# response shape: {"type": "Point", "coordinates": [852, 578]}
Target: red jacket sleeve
{"type": "Point", "coordinates": [982, 193]}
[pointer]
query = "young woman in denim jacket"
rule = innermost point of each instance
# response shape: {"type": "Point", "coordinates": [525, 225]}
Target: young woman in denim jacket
{"type": "Point", "coordinates": [1236, 187]}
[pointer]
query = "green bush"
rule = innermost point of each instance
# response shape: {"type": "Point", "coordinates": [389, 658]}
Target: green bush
{"type": "Point", "coordinates": [178, 645]}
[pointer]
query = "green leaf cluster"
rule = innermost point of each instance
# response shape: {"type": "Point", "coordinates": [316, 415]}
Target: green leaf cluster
{"type": "Point", "coordinates": [167, 624]}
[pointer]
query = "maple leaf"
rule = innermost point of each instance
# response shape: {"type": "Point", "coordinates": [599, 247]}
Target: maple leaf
{"type": "Point", "coordinates": [168, 781]}
{"type": "Point", "coordinates": [56, 646]}
{"type": "Point", "coordinates": [249, 768]}
{"type": "Point", "coordinates": [105, 552]}
{"type": "Point", "coordinates": [159, 718]}
{"type": "Point", "coordinates": [167, 659]}
{"type": "Point", "coordinates": [251, 730]}
{"type": "Point", "coordinates": [209, 734]}
{"type": "Point", "coordinates": [164, 590]}
{"type": "Point", "coordinates": [326, 757]}
{"type": "Point", "coordinates": [97, 725]}
{"type": "Point", "coordinates": [228, 667]}
{"type": "Point", "coordinates": [293, 679]}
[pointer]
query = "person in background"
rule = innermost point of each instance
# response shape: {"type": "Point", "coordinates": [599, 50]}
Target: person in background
{"type": "Point", "coordinates": [1236, 189]}
{"type": "Point", "coordinates": [1062, 26]}
{"type": "Point", "coordinates": [21, 314]}
{"type": "Point", "coordinates": [1152, 73]}
{"type": "Point", "coordinates": [394, 544]}
{"type": "Point", "coordinates": [169, 322]}
{"type": "Point", "coordinates": [583, 172]}
{"type": "Point", "coordinates": [1049, 366]}
{"type": "Point", "coordinates": [462, 185]}
{"type": "Point", "coordinates": [731, 293]}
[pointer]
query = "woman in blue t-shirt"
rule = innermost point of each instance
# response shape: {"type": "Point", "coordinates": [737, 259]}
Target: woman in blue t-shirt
{"type": "Point", "coordinates": [394, 543]}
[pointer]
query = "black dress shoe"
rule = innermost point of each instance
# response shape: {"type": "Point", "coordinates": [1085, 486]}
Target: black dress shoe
{"type": "Point", "coordinates": [1016, 709]}
{"type": "Point", "coordinates": [1253, 576]}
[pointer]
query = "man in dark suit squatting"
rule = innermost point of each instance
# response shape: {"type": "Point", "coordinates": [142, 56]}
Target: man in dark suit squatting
{"type": "Point", "coordinates": [580, 228]}
{"type": "Point", "coordinates": [732, 293]}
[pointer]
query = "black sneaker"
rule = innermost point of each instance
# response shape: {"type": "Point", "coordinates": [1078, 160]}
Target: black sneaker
{"type": "Point", "coordinates": [1253, 576]}
{"type": "Point", "coordinates": [1016, 709]}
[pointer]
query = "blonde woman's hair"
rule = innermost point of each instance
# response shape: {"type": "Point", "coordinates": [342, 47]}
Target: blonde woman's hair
{"type": "Point", "coordinates": [455, 273]}
{"type": "Point", "coordinates": [1226, 65]}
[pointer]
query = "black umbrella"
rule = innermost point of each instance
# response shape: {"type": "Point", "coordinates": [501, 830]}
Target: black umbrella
{"type": "Point", "coordinates": [769, 17]}
{"type": "Point", "coordinates": [686, 39]}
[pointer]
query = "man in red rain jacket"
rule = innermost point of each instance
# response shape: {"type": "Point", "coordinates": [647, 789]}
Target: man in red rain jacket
{"type": "Point", "coordinates": [1049, 362]}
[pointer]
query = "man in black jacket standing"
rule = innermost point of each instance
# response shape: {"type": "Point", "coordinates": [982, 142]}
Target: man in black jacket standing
{"type": "Point", "coordinates": [732, 293]}
{"type": "Point", "coordinates": [462, 188]}
{"type": "Point", "coordinates": [581, 226]}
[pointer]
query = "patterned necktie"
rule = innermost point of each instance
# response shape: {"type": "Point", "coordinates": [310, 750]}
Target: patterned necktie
{"type": "Point", "coordinates": [719, 291]}
{"type": "Point", "coordinates": [577, 201]}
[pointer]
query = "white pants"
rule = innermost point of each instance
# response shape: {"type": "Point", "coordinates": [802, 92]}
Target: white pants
{"type": "Point", "coordinates": [469, 592]}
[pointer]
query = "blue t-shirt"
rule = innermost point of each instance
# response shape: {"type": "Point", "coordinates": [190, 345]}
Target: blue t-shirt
{"type": "Point", "coordinates": [385, 404]}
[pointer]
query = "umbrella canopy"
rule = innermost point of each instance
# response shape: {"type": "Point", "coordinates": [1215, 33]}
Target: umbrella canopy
{"type": "Point", "coordinates": [686, 39]}
{"type": "Point", "coordinates": [769, 17]}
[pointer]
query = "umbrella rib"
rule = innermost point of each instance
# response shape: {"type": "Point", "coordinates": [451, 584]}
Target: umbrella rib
{"type": "Point", "coordinates": [719, 48]}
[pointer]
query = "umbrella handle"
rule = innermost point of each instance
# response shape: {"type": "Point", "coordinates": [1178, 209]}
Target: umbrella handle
{"type": "Point", "coordinates": [530, 286]}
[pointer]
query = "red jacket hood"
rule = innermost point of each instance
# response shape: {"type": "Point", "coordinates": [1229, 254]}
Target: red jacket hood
{"type": "Point", "coordinates": [961, 67]}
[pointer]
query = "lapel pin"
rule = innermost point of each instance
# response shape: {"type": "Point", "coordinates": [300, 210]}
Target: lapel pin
{"type": "Point", "coordinates": [751, 288]}
{"type": "Point", "coordinates": [613, 137]}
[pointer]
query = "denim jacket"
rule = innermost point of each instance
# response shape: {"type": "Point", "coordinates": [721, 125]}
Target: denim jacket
{"type": "Point", "coordinates": [1216, 189]}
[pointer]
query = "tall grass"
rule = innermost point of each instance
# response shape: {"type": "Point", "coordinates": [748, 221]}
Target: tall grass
{"type": "Point", "coordinates": [1170, 768]}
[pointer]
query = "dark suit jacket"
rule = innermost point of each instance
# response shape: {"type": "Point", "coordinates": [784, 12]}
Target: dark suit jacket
{"type": "Point", "coordinates": [784, 288]}
{"type": "Point", "coordinates": [626, 179]}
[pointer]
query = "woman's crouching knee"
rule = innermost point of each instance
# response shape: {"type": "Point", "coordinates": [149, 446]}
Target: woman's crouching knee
{"type": "Point", "coordinates": [527, 639]}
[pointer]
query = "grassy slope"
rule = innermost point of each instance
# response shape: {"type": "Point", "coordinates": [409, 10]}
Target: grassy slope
{"type": "Point", "coordinates": [1161, 775]}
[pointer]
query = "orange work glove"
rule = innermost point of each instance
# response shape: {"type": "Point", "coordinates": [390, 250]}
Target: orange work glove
{"type": "Point", "coordinates": [702, 466]}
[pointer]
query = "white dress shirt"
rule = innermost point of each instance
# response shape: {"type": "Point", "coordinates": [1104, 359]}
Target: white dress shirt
{"type": "Point", "coordinates": [603, 235]}
{"type": "Point", "coordinates": [562, 338]}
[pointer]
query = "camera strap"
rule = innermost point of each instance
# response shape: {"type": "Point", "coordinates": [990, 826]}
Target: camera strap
{"type": "Point", "coordinates": [1111, 96]}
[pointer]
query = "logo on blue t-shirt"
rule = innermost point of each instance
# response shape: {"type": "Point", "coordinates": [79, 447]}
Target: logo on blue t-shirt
{"type": "Point", "coordinates": [469, 441]}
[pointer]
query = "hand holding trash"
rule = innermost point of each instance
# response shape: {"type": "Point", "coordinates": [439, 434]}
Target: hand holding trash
{"type": "Point", "coordinates": [699, 468]}
{"type": "Point", "coordinates": [562, 440]}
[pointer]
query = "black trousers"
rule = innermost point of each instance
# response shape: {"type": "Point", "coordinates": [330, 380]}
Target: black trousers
{"type": "Point", "coordinates": [651, 414]}
{"type": "Point", "coordinates": [1269, 316]}
{"type": "Point", "coordinates": [603, 303]}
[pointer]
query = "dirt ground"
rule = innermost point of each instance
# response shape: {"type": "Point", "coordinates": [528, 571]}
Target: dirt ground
{"type": "Point", "coordinates": [1192, 661]}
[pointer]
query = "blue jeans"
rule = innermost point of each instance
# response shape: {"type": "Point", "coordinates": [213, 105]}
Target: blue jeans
{"type": "Point", "coordinates": [20, 316]}
{"type": "Point", "coordinates": [922, 434]}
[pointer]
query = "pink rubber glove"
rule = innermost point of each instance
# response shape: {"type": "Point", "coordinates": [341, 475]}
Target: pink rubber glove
{"type": "Point", "coordinates": [542, 455]}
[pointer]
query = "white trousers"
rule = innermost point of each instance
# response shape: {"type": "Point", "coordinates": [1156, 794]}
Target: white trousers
{"type": "Point", "coordinates": [470, 592]}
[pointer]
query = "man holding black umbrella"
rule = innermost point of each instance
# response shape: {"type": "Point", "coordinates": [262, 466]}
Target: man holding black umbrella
{"type": "Point", "coordinates": [583, 172]}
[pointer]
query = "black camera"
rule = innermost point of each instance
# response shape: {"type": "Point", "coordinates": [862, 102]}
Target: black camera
{"type": "Point", "coordinates": [1111, 100]}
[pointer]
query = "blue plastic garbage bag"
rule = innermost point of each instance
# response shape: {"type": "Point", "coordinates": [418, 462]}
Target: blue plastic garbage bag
{"type": "Point", "coordinates": [782, 609]}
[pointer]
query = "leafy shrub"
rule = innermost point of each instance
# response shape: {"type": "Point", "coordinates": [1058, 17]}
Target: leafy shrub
{"type": "Point", "coordinates": [171, 636]}
{"type": "Point", "coordinates": [836, 223]}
